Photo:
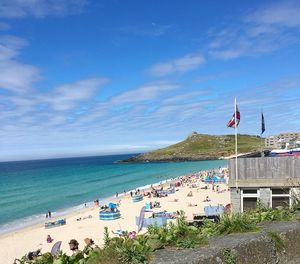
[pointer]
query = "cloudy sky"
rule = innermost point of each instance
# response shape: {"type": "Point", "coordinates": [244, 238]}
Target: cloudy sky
{"type": "Point", "coordinates": [86, 77]}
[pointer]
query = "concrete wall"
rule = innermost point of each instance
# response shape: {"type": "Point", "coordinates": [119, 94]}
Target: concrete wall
{"type": "Point", "coordinates": [235, 198]}
{"type": "Point", "coordinates": [265, 172]}
{"type": "Point", "coordinates": [265, 196]}
{"type": "Point", "coordinates": [246, 248]}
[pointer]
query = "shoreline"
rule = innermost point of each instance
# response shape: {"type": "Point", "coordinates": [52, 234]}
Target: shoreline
{"type": "Point", "coordinates": [84, 222]}
{"type": "Point", "coordinates": [74, 210]}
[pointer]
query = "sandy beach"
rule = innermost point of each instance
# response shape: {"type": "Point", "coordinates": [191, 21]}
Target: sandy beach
{"type": "Point", "coordinates": [16, 244]}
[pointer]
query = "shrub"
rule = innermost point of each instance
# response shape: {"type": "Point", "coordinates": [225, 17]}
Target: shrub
{"type": "Point", "coordinates": [236, 223]}
{"type": "Point", "coordinates": [179, 234]}
{"type": "Point", "coordinates": [262, 214]}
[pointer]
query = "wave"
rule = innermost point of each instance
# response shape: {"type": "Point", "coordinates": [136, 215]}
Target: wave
{"type": "Point", "coordinates": [37, 219]}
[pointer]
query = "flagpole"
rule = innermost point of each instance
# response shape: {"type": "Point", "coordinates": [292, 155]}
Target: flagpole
{"type": "Point", "coordinates": [261, 132]}
{"type": "Point", "coordinates": [236, 153]}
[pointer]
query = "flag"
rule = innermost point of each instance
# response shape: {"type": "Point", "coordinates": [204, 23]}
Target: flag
{"type": "Point", "coordinates": [236, 116]}
{"type": "Point", "coordinates": [263, 128]}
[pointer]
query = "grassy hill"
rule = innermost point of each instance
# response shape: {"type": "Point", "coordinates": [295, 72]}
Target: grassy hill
{"type": "Point", "coordinates": [203, 147]}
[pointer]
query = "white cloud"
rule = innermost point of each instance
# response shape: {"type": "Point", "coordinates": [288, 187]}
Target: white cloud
{"type": "Point", "coordinates": [182, 98]}
{"type": "Point", "coordinates": [40, 8]}
{"type": "Point", "coordinates": [15, 76]}
{"type": "Point", "coordinates": [66, 96]}
{"type": "Point", "coordinates": [264, 30]}
{"type": "Point", "coordinates": [144, 93]}
{"type": "Point", "coordinates": [180, 65]}
{"type": "Point", "coordinates": [283, 14]}
{"type": "Point", "coordinates": [10, 47]}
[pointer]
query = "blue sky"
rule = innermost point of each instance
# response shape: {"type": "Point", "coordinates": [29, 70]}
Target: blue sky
{"type": "Point", "coordinates": [86, 77]}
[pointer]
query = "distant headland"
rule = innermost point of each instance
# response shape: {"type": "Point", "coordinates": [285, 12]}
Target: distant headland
{"type": "Point", "coordinates": [202, 147]}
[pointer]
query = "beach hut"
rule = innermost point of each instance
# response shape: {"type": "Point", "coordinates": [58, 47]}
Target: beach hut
{"type": "Point", "coordinates": [137, 198]}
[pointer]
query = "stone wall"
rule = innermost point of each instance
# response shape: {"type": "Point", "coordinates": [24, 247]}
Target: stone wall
{"type": "Point", "coordinates": [246, 248]}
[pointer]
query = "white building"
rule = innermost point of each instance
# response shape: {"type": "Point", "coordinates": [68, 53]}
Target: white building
{"type": "Point", "coordinates": [283, 140]}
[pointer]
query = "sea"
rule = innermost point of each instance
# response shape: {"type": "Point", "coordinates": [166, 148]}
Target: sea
{"type": "Point", "coordinates": [28, 189]}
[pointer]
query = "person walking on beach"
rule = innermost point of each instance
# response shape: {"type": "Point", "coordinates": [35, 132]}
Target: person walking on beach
{"type": "Point", "coordinates": [49, 213]}
{"type": "Point", "coordinates": [117, 194]}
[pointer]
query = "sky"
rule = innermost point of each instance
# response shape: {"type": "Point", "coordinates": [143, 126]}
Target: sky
{"type": "Point", "coordinates": [90, 77]}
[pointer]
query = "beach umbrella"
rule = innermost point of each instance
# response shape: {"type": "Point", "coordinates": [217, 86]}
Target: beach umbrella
{"type": "Point", "coordinates": [112, 205]}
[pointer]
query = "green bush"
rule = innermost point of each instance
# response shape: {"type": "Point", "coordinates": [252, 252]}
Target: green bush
{"type": "Point", "coordinates": [180, 235]}
{"type": "Point", "coordinates": [125, 250]}
{"type": "Point", "coordinates": [262, 214]}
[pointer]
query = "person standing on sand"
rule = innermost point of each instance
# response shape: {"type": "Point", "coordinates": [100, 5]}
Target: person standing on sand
{"type": "Point", "coordinates": [49, 213]}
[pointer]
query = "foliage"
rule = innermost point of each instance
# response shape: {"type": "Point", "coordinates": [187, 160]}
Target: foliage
{"type": "Point", "coordinates": [279, 243]}
{"type": "Point", "coordinates": [296, 202]}
{"type": "Point", "coordinates": [125, 250]}
{"type": "Point", "coordinates": [262, 214]}
{"type": "Point", "coordinates": [229, 257]}
{"type": "Point", "coordinates": [235, 223]}
{"type": "Point", "coordinates": [180, 234]}
{"type": "Point", "coordinates": [106, 238]}
{"type": "Point", "coordinates": [134, 250]}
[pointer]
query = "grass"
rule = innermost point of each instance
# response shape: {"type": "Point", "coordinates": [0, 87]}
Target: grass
{"type": "Point", "coordinates": [207, 145]}
{"type": "Point", "coordinates": [229, 257]}
{"type": "Point", "coordinates": [228, 224]}
{"type": "Point", "coordinates": [277, 239]}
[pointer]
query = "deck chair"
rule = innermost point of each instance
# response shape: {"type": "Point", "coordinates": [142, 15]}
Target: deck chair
{"type": "Point", "coordinates": [56, 247]}
{"type": "Point", "coordinates": [119, 232]}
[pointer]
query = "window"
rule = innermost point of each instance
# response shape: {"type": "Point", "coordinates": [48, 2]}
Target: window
{"type": "Point", "coordinates": [281, 197]}
{"type": "Point", "coordinates": [249, 203]}
{"type": "Point", "coordinates": [249, 198]}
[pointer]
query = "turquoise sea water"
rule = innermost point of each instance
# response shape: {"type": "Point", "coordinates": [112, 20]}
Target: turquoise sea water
{"type": "Point", "coordinates": [29, 188]}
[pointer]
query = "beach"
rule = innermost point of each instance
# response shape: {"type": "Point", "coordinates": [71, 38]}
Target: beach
{"type": "Point", "coordinates": [85, 223]}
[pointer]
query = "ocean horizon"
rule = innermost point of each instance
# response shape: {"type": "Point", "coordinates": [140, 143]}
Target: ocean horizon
{"type": "Point", "coordinates": [63, 185]}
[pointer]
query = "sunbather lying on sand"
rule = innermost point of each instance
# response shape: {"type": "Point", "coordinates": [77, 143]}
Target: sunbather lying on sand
{"type": "Point", "coordinates": [192, 205]}
{"type": "Point", "coordinates": [207, 199]}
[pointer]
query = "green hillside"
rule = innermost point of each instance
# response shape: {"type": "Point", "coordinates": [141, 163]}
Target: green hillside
{"type": "Point", "coordinates": [201, 147]}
